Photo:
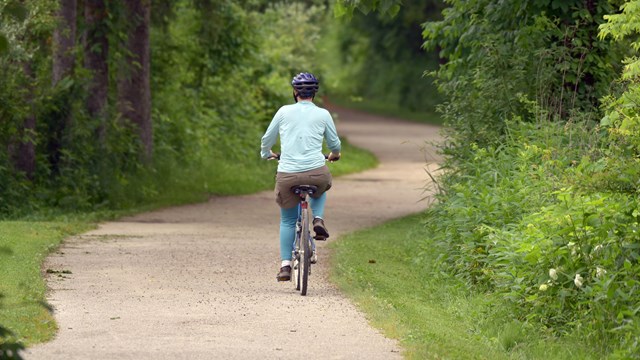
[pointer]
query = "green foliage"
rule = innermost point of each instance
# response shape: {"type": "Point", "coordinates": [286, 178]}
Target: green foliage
{"type": "Point", "coordinates": [540, 205]}
{"type": "Point", "coordinates": [524, 220]}
{"type": "Point", "coordinates": [381, 59]}
{"type": "Point", "coordinates": [622, 119]}
{"type": "Point", "coordinates": [387, 7]}
{"type": "Point", "coordinates": [10, 10]}
{"type": "Point", "coordinates": [500, 56]}
{"type": "Point", "coordinates": [287, 47]}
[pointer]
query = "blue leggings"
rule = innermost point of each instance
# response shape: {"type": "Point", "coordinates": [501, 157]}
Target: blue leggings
{"type": "Point", "coordinates": [288, 218]}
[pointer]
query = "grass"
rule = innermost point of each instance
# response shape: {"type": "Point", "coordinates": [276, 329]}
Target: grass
{"type": "Point", "coordinates": [24, 244]}
{"type": "Point", "coordinates": [23, 247]}
{"type": "Point", "coordinates": [432, 314]}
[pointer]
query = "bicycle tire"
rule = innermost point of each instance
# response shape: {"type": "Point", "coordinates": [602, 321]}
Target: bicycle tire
{"type": "Point", "coordinates": [305, 254]}
{"type": "Point", "coordinates": [296, 272]}
{"type": "Point", "coordinates": [295, 277]}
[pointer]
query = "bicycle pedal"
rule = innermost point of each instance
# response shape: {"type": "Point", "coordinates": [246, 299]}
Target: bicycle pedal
{"type": "Point", "coordinates": [320, 238]}
{"type": "Point", "coordinates": [314, 258]}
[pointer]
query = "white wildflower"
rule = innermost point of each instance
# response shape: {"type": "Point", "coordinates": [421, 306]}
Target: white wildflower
{"type": "Point", "coordinates": [597, 248]}
{"type": "Point", "coordinates": [578, 280]}
{"type": "Point", "coordinates": [553, 274]}
{"type": "Point", "coordinates": [600, 272]}
{"type": "Point", "coordinates": [544, 287]}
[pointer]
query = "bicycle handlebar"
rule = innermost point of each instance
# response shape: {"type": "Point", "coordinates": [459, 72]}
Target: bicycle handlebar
{"type": "Point", "coordinates": [276, 156]}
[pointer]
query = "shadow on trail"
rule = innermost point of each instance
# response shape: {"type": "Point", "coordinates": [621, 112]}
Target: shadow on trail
{"type": "Point", "coordinates": [9, 349]}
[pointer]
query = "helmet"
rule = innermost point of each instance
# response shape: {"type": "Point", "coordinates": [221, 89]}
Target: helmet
{"type": "Point", "coordinates": [305, 84]}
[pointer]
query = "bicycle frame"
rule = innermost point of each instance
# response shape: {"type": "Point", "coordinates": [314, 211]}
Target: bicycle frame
{"type": "Point", "coordinates": [303, 254]}
{"type": "Point", "coordinates": [304, 204]}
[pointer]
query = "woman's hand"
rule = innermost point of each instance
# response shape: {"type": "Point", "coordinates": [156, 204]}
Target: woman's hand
{"type": "Point", "coordinates": [273, 156]}
{"type": "Point", "coordinates": [334, 156]}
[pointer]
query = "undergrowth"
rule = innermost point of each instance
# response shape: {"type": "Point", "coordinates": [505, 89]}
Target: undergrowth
{"type": "Point", "coordinates": [528, 220]}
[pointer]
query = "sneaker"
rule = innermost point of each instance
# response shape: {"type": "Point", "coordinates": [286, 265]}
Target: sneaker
{"type": "Point", "coordinates": [284, 274]}
{"type": "Point", "coordinates": [320, 229]}
{"type": "Point", "coordinates": [314, 258]}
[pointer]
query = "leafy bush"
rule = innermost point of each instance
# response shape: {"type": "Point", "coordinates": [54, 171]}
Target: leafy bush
{"type": "Point", "coordinates": [497, 53]}
{"type": "Point", "coordinates": [521, 220]}
{"type": "Point", "coordinates": [622, 120]}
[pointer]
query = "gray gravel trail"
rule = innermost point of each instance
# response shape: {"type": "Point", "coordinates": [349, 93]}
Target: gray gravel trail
{"type": "Point", "coordinates": [198, 281]}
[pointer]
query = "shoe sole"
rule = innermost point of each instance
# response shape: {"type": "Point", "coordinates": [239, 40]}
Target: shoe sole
{"type": "Point", "coordinates": [321, 233]}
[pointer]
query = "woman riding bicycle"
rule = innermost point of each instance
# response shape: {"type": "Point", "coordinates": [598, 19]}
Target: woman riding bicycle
{"type": "Point", "coordinates": [302, 127]}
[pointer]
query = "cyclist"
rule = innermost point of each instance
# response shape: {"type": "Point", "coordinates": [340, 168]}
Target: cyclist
{"type": "Point", "coordinates": [302, 127]}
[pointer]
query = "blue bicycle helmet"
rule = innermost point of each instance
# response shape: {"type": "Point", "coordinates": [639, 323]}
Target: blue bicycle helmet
{"type": "Point", "coordinates": [305, 84]}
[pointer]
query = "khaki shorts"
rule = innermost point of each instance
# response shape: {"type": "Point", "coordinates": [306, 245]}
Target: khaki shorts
{"type": "Point", "coordinates": [320, 177]}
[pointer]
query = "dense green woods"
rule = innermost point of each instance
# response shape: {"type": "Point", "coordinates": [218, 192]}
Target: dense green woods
{"type": "Point", "coordinates": [540, 202]}
{"type": "Point", "coordinates": [106, 106]}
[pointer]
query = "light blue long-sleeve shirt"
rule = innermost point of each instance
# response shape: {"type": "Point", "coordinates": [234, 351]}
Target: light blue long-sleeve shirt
{"type": "Point", "coordinates": [302, 127]}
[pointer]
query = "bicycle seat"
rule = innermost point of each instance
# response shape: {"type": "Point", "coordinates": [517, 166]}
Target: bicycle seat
{"type": "Point", "coordinates": [299, 189]}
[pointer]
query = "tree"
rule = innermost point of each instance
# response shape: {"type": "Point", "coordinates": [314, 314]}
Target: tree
{"type": "Point", "coordinates": [134, 92]}
{"type": "Point", "coordinates": [63, 60]}
{"type": "Point", "coordinates": [22, 150]}
{"type": "Point", "coordinates": [96, 49]}
{"type": "Point", "coordinates": [64, 38]}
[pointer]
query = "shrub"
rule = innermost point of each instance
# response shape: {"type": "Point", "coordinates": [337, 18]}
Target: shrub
{"type": "Point", "coordinates": [522, 220]}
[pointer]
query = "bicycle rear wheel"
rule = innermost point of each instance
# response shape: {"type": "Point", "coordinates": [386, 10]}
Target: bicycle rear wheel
{"type": "Point", "coordinates": [296, 264]}
{"type": "Point", "coordinates": [305, 253]}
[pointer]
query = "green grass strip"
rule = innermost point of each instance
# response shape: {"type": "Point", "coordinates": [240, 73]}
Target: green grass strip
{"type": "Point", "coordinates": [432, 315]}
{"type": "Point", "coordinates": [23, 247]}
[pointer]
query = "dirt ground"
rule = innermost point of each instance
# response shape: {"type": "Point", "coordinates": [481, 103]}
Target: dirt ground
{"type": "Point", "coordinates": [198, 281]}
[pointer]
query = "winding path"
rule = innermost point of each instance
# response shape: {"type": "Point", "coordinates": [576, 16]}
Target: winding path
{"type": "Point", "coordinates": [198, 281]}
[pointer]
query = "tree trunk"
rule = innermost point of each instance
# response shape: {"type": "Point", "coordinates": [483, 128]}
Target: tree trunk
{"type": "Point", "coordinates": [96, 49]}
{"type": "Point", "coordinates": [64, 38]}
{"type": "Point", "coordinates": [22, 150]}
{"type": "Point", "coordinates": [134, 93]}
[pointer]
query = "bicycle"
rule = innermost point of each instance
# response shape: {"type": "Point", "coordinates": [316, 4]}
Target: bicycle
{"type": "Point", "coordinates": [304, 245]}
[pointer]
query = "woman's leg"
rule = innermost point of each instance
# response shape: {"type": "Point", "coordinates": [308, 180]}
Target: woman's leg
{"type": "Point", "coordinates": [288, 218]}
{"type": "Point", "coordinates": [317, 205]}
